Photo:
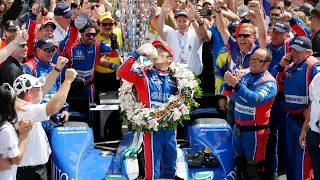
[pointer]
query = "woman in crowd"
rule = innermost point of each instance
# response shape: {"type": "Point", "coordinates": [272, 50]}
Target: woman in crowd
{"type": "Point", "coordinates": [13, 133]}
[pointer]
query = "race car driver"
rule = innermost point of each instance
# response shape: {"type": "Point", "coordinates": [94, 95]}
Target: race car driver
{"type": "Point", "coordinates": [41, 66]}
{"type": "Point", "coordinates": [254, 95]}
{"type": "Point", "coordinates": [155, 81]}
{"type": "Point", "coordinates": [46, 30]}
{"type": "Point", "coordinates": [86, 54]}
{"type": "Point", "coordinates": [295, 72]}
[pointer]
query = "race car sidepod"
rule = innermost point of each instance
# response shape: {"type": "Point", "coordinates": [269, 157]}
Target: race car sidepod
{"type": "Point", "coordinates": [74, 157]}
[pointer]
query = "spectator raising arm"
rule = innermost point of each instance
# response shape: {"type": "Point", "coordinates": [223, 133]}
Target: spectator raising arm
{"type": "Point", "coordinates": [221, 22]}
{"type": "Point", "coordinates": [227, 13]}
{"type": "Point", "coordinates": [192, 15]}
{"type": "Point", "coordinates": [58, 100]}
{"type": "Point", "coordinates": [165, 9]}
{"type": "Point", "coordinates": [9, 48]}
{"type": "Point", "coordinates": [53, 75]}
{"type": "Point", "coordinates": [255, 13]}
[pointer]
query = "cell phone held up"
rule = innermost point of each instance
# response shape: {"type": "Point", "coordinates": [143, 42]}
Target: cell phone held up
{"type": "Point", "coordinates": [290, 59]}
{"type": "Point", "coordinates": [205, 12]}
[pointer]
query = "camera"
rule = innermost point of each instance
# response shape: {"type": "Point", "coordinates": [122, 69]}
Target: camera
{"type": "Point", "coordinates": [205, 12]}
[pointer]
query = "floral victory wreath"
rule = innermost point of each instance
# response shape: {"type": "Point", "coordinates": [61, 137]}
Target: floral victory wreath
{"type": "Point", "coordinates": [168, 116]}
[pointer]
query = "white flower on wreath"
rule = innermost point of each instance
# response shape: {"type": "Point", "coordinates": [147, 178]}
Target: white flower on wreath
{"type": "Point", "coordinates": [129, 114]}
{"type": "Point", "coordinates": [185, 110]}
{"type": "Point", "coordinates": [139, 115]}
{"type": "Point", "coordinates": [173, 98]}
{"type": "Point", "coordinates": [176, 114]}
{"type": "Point", "coordinates": [153, 124]}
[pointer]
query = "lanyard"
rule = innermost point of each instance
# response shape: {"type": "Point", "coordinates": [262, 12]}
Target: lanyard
{"type": "Point", "coordinates": [182, 43]}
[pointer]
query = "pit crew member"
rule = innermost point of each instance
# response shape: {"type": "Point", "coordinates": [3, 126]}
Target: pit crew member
{"type": "Point", "coordinates": [86, 54]}
{"type": "Point", "coordinates": [295, 72]}
{"type": "Point", "coordinates": [254, 95]}
{"type": "Point", "coordinates": [40, 66]}
{"type": "Point", "coordinates": [279, 46]}
{"type": "Point", "coordinates": [159, 84]}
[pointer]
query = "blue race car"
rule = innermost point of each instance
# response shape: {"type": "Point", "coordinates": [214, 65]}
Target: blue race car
{"type": "Point", "coordinates": [208, 154]}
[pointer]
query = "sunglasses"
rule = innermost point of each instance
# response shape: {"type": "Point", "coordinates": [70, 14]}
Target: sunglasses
{"type": "Point", "coordinates": [23, 45]}
{"type": "Point", "coordinates": [274, 15]}
{"type": "Point", "coordinates": [244, 35]}
{"type": "Point", "coordinates": [107, 24]}
{"type": "Point", "coordinates": [94, 6]}
{"type": "Point", "coordinates": [257, 59]}
{"type": "Point", "coordinates": [90, 34]}
{"type": "Point", "coordinates": [49, 50]}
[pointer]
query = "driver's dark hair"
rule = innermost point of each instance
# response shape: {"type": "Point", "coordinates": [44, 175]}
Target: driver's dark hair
{"type": "Point", "coordinates": [7, 110]}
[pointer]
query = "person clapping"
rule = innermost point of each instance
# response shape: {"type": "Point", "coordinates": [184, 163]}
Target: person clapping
{"type": "Point", "coordinates": [11, 147]}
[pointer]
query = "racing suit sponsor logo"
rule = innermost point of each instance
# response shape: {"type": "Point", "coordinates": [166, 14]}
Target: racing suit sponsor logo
{"type": "Point", "coordinates": [72, 130]}
{"type": "Point", "coordinates": [84, 73]}
{"type": "Point", "coordinates": [245, 109]}
{"type": "Point", "coordinates": [160, 96]}
{"type": "Point", "coordinates": [79, 55]}
{"type": "Point", "coordinates": [296, 99]}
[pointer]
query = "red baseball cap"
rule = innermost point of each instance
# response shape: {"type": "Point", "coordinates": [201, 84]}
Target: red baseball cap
{"type": "Point", "coordinates": [158, 43]}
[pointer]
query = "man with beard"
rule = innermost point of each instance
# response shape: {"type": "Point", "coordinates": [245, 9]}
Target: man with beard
{"type": "Point", "coordinates": [47, 30]}
{"type": "Point", "coordinates": [85, 55]}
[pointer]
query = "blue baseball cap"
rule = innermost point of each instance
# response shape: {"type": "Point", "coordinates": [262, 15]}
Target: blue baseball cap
{"type": "Point", "coordinates": [301, 43]}
{"type": "Point", "coordinates": [282, 27]}
{"type": "Point", "coordinates": [181, 13]}
{"type": "Point", "coordinates": [63, 9]}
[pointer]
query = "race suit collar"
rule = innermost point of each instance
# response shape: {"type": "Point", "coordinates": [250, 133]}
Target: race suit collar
{"type": "Point", "coordinates": [41, 63]}
{"type": "Point", "coordinates": [160, 72]}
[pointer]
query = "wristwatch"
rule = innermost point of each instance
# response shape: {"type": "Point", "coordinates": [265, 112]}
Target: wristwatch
{"type": "Point", "coordinates": [217, 11]}
{"type": "Point", "coordinates": [56, 69]}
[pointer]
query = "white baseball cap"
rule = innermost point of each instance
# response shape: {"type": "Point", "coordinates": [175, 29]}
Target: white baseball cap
{"type": "Point", "coordinates": [26, 82]}
{"type": "Point", "coordinates": [242, 10]}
